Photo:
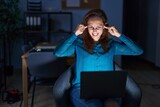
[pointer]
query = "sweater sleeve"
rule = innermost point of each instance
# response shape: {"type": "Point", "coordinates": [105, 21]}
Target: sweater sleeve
{"type": "Point", "coordinates": [66, 48]}
{"type": "Point", "coordinates": [127, 47]}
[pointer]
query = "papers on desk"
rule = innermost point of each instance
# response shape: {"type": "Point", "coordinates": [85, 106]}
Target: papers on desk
{"type": "Point", "coordinates": [43, 49]}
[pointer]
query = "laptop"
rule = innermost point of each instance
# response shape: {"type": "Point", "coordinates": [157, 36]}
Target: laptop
{"type": "Point", "coordinates": [109, 84]}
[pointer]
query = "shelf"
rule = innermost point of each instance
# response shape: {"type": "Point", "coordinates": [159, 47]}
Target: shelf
{"type": "Point", "coordinates": [39, 12]}
{"type": "Point", "coordinates": [45, 23]}
{"type": "Point", "coordinates": [48, 32]}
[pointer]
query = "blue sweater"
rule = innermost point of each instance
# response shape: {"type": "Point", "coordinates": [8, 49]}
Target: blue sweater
{"type": "Point", "coordinates": [98, 60]}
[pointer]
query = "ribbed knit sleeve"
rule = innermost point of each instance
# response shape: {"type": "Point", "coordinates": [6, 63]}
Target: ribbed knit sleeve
{"type": "Point", "coordinates": [127, 47]}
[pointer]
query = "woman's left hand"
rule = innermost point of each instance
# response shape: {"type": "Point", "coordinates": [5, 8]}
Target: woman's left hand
{"type": "Point", "coordinates": [113, 31]}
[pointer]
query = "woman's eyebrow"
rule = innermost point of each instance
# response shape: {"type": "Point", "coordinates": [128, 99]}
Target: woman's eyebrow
{"type": "Point", "coordinates": [97, 25]}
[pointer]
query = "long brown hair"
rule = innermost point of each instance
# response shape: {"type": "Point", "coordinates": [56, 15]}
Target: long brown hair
{"type": "Point", "coordinates": [88, 41]}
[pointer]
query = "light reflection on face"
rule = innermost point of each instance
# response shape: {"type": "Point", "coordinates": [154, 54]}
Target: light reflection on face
{"type": "Point", "coordinates": [90, 27]}
{"type": "Point", "coordinates": [95, 28]}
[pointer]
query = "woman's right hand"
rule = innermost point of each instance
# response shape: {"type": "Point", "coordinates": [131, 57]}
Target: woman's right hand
{"type": "Point", "coordinates": [80, 29]}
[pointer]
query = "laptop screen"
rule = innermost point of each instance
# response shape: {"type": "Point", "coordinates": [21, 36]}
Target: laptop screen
{"type": "Point", "coordinates": [103, 84]}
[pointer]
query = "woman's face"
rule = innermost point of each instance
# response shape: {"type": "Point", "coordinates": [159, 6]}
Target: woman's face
{"type": "Point", "coordinates": [95, 28]}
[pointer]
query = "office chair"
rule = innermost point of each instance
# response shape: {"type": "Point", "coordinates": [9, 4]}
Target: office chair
{"type": "Point", "coordinates": [44, 68]}
{"type": "Point", "coordinates": [62, 98]}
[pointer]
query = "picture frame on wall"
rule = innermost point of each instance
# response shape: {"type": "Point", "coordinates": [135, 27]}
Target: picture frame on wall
{"type": "Point", "coordinates": [80, 4]}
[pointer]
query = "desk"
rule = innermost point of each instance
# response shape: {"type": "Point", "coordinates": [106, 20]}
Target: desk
{"type": "Point", "coordinates": [25, 79]}
{"type": "Point", "coordinates": [25, 76]}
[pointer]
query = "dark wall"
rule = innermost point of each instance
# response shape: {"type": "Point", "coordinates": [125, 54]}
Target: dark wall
{"type": "Point", "coordinates": [140, 23]}
{"type": "Point", "coordinates": [113, 9]}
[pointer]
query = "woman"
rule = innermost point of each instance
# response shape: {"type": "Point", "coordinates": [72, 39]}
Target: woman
{"type": "Point", "coordinates": [94, 50]}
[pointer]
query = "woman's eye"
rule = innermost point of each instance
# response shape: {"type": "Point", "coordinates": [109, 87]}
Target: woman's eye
{"type": "Point", "coordinates": [99, 27]}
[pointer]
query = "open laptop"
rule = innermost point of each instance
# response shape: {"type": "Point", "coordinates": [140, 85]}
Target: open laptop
{"type": "Point", "coordinates": [100, 84]}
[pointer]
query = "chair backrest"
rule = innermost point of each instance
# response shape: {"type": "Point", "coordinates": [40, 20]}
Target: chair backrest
{"type": "Point", "coordinates": [62, 87]}
{"type": "Point", "coordinates": [45, 64]}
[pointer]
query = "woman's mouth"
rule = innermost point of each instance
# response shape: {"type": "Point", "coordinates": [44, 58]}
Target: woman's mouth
{"type": "Point", "coordinates": [95, 34]}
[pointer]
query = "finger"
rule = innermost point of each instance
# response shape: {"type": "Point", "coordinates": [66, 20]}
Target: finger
{"type": "Point", "coordinates": [110, 30]}
{"type": "Point", "coordinates": [85, 27]}
{"type": "Point", "coordinates": [82, 28]}
{"type": "Point", "coordinates": [106, 27]}
{"type": "Point", "coordinates": [113, 28]}
{"type": "Point", "coordinates": [80, 25]}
